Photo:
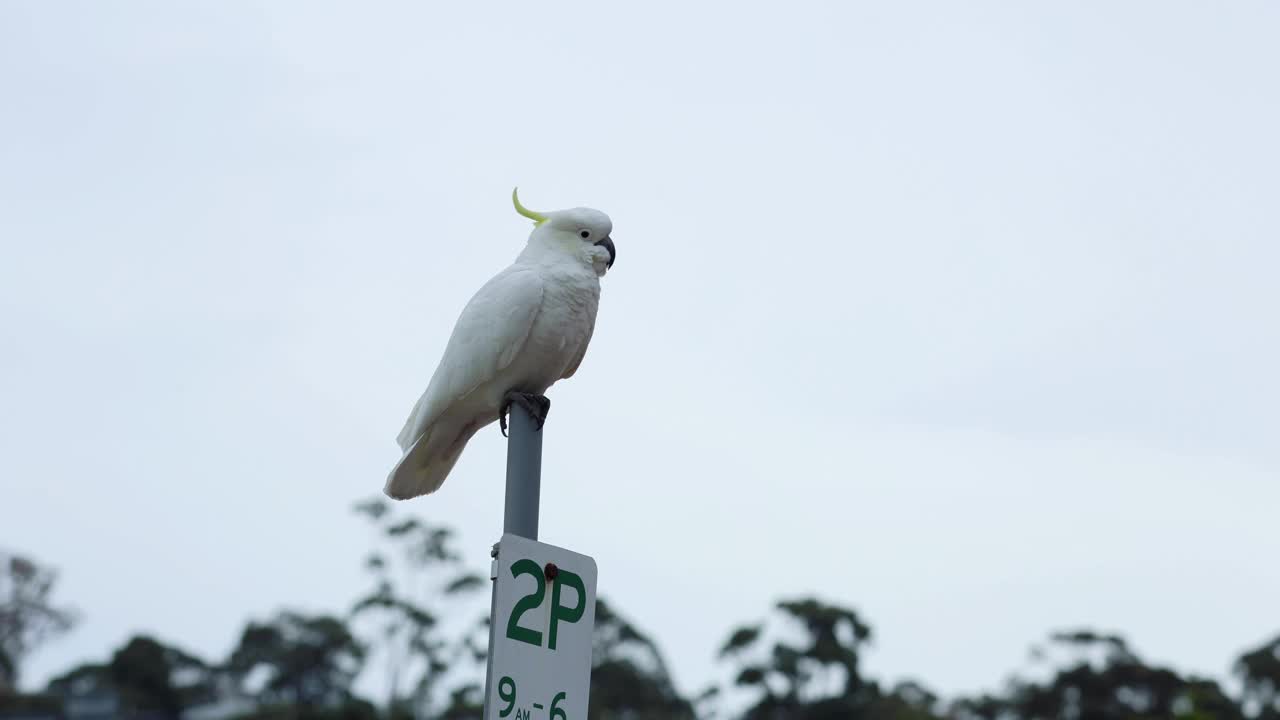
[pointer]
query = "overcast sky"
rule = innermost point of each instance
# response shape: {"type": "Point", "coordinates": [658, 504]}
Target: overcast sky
{"type": "Point", "coordinates": [962, 314]}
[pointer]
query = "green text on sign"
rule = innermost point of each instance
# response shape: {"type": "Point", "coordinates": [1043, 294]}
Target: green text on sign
{"type": "Point", "coordinates": [559, 613]}
{"type": "Point", "coordinates": [507, 693]}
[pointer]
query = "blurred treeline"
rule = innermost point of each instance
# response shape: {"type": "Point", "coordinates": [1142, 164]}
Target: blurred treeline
{"type": "Point", "coordinates": [420, 630]}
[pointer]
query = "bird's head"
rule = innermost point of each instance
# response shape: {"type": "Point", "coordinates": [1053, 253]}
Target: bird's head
{"type": "Point", "coordinates": [579, 233]}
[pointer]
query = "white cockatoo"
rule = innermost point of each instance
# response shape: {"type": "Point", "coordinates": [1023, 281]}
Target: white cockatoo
{"type": "Point", "coordinates": [525, 329]}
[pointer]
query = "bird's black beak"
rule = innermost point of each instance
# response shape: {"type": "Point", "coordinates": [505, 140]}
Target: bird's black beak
{"type": "Point", "coordinates": [607, 243]}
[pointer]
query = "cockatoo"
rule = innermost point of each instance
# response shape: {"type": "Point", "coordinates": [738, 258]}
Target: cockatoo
{"type": "Point", "coordinates": [525, 329]}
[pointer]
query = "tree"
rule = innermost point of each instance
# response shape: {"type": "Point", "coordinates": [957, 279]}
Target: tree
{"type": "Point", "coordinates": [1103, 678]}
{"type": "Point", "coordinates": [28, 617]}
{"type": "Point", "coordinates": [1259, 668]}
{"type": "Point", "coordinates": [154, 676]}
{"type": "Point", "coordinates": [629, 678]}
{"type": "Point", "coordinates": [792, 676]}
{"type": "Point", "coordinates": [814, 674]}
{"type": "Point", "coordinates": [416, 574]}
{"type": "Point", "coordinates": [145, 675]}
{"type": "Point", "coordinates": [309, 661]}
{"type": "Point", "coordinates": [466, 702]}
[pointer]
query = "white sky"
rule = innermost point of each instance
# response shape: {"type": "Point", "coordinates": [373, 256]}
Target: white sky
{"type": "Point", "coordinates": [960, 314]}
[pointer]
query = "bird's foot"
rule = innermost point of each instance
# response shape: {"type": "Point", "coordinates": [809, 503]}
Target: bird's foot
{"type": "Point", "coordinates": [537, 406]}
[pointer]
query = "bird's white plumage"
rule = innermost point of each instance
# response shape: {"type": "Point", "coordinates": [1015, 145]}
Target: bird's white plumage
{"type": "Point", "coordinates": [489, 335]}
{"type": "Point", "coordinates": [523, 330]}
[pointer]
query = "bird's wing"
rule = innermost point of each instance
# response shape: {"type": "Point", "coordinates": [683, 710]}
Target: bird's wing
{"type": "Point", "coordinates": [582, 351]}
{"type": "Point", "coordinates": [489, 335]}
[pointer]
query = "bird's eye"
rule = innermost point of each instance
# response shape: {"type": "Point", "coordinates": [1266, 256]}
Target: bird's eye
{"type": "Point", "coordinates": [585, 234]}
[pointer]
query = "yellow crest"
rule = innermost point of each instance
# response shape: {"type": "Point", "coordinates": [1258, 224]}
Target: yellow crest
{"type": "Point", "coordinates": [537, 217]}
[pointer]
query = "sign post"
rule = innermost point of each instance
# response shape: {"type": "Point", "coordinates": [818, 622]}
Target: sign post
{"type": "Point", "coordinates": [544, 603]}
{"type": "Point", "coordinates": [524, 475]}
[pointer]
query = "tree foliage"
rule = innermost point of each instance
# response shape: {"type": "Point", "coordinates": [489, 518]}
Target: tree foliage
{"type": "Point", "coordinates": [1102, 677]}
{"type": "Point", "coordinates": [145, 675]}
{"type": "Point", "coordinates": [629, 678]}
{"type": "Point", "coordinates": [1259, 669]}
{"type": "Point", "coordinates": [309, 661]}
{"type": "Point", "coordinates": [416, 575]}
{"type": "Point", "coordinates": [28, 615]}
{"type": "Point", "coordinates": [804, 663]}
{"type": "Point", "coordinates": [802, 660]}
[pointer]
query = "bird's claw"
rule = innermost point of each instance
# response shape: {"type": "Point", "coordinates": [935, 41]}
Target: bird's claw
{"type": "Point", "coordinates": [536, 405]}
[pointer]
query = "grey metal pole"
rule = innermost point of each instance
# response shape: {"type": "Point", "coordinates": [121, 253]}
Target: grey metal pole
{"type": "Point", "coordinates": [520, 517]}
{"type": "Point", "coordinates": [524, 475]}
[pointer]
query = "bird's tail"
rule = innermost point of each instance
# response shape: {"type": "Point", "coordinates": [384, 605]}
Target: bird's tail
{"type": "Point", "coordinates": [412, 427]}
{"type": "Point", "coordinates": [427, 463]}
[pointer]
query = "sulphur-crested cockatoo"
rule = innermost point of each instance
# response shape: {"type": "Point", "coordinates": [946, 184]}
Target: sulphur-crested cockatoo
{"type": "Point", "coordinates": [525, 329]}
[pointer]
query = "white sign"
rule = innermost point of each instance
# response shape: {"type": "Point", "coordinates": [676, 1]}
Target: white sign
{"type": "Point", "coordinates": [543, 614]}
